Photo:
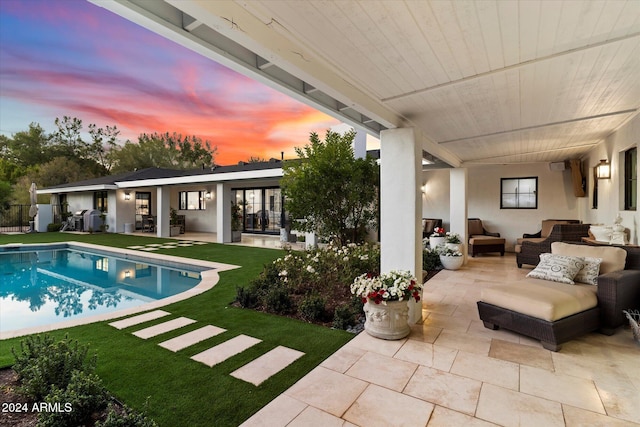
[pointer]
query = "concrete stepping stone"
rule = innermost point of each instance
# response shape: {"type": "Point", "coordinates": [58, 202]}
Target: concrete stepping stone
{"type": "Point", "coordinates": [161, 328]}
{"type": "Point", "coordinates": [225, 350]}
{"type": "Point", "coordinates": [268, 364]}
{"type": "Point", "coordinates": [191, 338]}
{"type": "Point", "coordinates": [141, 318]}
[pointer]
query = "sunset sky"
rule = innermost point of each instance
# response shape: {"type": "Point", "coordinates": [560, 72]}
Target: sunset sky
{"type": "Point", "coordinates": [70, 57]}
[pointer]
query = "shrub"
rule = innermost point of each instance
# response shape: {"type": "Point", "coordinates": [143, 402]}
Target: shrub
{"type": "Point", "coordinates": [312, 308]}
{"type": "Point", "coordinates": [431, 260]}
{"type": "Point", "coordinates": [43, 364]}
{"type": "Point", "coordinates": [55, 226]}
{"type": "Point", "coordinates": [247, 296]}
{"type": "Point", "coordinates": [347, 313]}
{"type": "Point", "coordinates": [278, 301]}
{"type": "Point", "coordinates": [85, 395]}
{"type": "Point", "coordinates": [129, 418]}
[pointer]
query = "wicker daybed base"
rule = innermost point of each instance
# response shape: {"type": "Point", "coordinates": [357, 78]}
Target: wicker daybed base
{"type": "Point", "coordinates": [550, 334]}
{"type": "Point", "coordinates": [483, 249]}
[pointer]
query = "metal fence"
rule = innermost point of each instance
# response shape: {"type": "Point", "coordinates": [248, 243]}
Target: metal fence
{"type": "Point", "coordinates": [15, 218]}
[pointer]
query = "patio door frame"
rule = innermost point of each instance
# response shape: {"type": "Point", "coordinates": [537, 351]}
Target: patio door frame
{"type": "Point", "coordinates": [256, 216]}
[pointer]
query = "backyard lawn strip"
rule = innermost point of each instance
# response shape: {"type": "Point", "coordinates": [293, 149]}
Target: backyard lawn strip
{"type": "Point", "coordinates": [180, 391]}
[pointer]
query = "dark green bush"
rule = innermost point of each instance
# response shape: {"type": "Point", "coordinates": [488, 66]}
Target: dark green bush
{"type": "Point", "coordinates": [43, 364]}
{"type": "Point", "coordinates": [431, 260]}
{"type": "Point", "coordinates": [278, 301]}
{"type": "Point", "coordinates": [247, 296]}
{"type": "Point", "coordinates": [129, 418]}
{"type": "Point", "coordinates": [312, 308]}
{"type": "Point", "coordinates": [347, 314]}
{"type": "Point", "coordinates": [55, 226]}
{"type": "Point", "coordinates": [85, 395]}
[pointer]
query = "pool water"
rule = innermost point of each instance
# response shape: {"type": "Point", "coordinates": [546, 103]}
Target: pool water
{"type": "Point", "coordinates": [45, 286]}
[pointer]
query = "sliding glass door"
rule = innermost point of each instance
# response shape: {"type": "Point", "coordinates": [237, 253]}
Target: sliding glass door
{"type": "Point", "coordinates": [261, 209]}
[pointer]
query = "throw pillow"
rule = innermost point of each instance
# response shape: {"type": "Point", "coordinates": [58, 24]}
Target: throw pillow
{"type": "Point", "coordinates": [557, 268]}
{"type": "Point", "coordinates": [590, 272]}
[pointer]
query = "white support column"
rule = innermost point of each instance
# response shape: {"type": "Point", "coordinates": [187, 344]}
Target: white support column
{"type": "Point", "coordinates": [164, 204]}
{"type": "Point", "coordinates": [223, 217]}
{"type": "Point", "coordinates": [401, 205]}
{"type": "Point", "coordinates": [458, 204]}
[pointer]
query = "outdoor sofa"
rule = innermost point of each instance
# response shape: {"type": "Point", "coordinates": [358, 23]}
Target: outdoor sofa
{"type": "Point", "coordinates": [554, 312]}
{"type": "Point", "coordinates": [529, 247]}
{"type": "Point", "coordinates": [482, 241]}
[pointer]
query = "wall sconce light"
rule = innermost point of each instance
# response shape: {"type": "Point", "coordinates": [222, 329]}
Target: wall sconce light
{"type": "Point", "coordinates": [207, 195]}
{"type": "Point", "coordinates": [424, 188]}
{"type": "Point", "coordinates": [127, 274]}
{"type": "Point", "coordinates": [603, 170]}
{"type": "Point", "coordinates": [127, 196]}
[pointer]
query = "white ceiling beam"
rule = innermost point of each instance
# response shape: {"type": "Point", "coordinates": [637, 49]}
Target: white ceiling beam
{"type": "Point", "coordinates": [497, 159]}
{"type": "Point", "coordinates": [509, 68]}
{"type": "Point", "coordinates": [563, 122]}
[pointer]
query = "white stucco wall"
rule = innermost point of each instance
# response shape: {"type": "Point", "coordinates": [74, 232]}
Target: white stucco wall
{"type": "Point", "coordinates": [555, 198]}
{"type": "Point", "coordinates": [610, 191]}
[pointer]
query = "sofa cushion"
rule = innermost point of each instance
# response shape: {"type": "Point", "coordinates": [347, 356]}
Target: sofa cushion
{"type": "Point", "coordinates": [590, 272]}
{"type": "Point", "coordinates": [474, 226]}
{"type": "Point", "coordinates": [542, 299]}
{"type": "Point", "coordinates": [557, 268]}
{"type": "Point", "coordinates": [486, 240]}
{"type": "Point", "coordinates": [613, 259]}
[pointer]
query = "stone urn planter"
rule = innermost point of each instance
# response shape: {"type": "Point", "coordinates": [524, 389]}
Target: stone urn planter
{"type": "Point", "coordinates": [451, 262]}
{"type": "Point", "coordinates": [387, 320]}
{"type": "Point", "coordinates": [385, 298]}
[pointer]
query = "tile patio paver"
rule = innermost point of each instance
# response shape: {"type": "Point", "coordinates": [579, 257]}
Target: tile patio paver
{"type": "Point", "coordinates": [400, 409]}
{"type": "Point", "coordinates": [161, 328]}
{"type": "Point", "coordinates": [267, 365]}
{"type": "Point", "coordinates": [141, 318]}
{"type": "Point", "coordinates": [225, 350]}
{"type": "Point", "coordinates": [190, 338]}
{"type": "Point", "coordinates": [511, 408]}
{"type": "Point", "coordinates": [279, 412]}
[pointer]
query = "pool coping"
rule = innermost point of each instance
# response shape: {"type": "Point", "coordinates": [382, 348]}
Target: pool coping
{"type": "Point", "coordinates": [210, 278]}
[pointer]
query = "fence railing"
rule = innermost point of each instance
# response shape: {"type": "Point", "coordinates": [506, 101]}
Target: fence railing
{"type": "Point", "coordinates": [15, 218]}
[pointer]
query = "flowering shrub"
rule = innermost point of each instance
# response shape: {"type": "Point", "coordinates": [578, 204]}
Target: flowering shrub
{"type": "Point", "coordinates": [452, 238]}
{"type": "Point", "coordinates": [438, 232]}
{"type": "Point", "coordinates": [393, 286]}
{"type": "Point", "coordinates": [299, 282]}
{"type": "Point", "coordinates": [443, 250]}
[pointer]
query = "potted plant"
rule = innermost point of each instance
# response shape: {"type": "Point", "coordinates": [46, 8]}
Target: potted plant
{"type": "Point", "coordinates": [236, 222]}
{"type": "Point", "coordinates": [174, 227]}
{"type": "Point", "coordinates": [437, 237]}
{"type": "Point", "coordinates": [385, 302]}
{"type": "Point", "coordinates": [453, 241]}
{"type": "Point", "coordinates": [451, 259]}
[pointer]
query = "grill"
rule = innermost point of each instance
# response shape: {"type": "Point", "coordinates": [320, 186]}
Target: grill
{"type": "Point", "coordinates": [77, 220]}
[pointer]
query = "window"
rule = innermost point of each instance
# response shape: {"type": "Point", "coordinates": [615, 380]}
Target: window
{"type": "Point", "coordinates": [631, 179]}
{"type": "Point", "coordinates": [519, 193]}
{"type": "Point", "coordinates": [100, 200]}
{"type": "Point", "coordinates": [191, 200]}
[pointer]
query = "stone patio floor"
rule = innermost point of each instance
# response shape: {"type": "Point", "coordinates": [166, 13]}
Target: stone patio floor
{"type": "Point", "coordinates": [451, 371]}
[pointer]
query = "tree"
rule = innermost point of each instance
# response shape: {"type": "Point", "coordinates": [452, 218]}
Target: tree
{"type": "Point", "coordinates": [103, 144]}
{"type": "Point", "coordinates": [164, 151]}
{"type": "Point", "coordinates": [28, 148]}
{"type": "Point", "coordinates": [329, 191]}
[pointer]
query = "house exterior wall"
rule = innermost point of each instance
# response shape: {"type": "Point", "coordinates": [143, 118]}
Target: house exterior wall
{"type": "Point", "coordinates": [555, 198]}
{"type": "Point", "coordinates": [610, 191]}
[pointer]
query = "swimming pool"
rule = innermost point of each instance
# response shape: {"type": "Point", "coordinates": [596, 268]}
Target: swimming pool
{"type": "Point", "coordinates": [41, 285]}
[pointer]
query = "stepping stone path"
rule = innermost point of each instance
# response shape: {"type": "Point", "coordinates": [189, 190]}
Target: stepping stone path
{"type": "Point", "coordinates": [166, 245]}
{"type": "Point", "coordinates": [254, 372]}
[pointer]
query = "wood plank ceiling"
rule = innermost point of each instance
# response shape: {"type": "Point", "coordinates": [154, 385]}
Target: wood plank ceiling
{"type": "Point", "coordinates": [485, 81]}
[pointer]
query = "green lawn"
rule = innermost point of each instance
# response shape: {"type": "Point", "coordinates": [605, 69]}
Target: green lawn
{"type": "Point", "coordinates": [179, 390]}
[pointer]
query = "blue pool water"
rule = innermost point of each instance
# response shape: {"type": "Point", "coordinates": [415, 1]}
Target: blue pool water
{"type": "Point", "coordinates": [52, 284]}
